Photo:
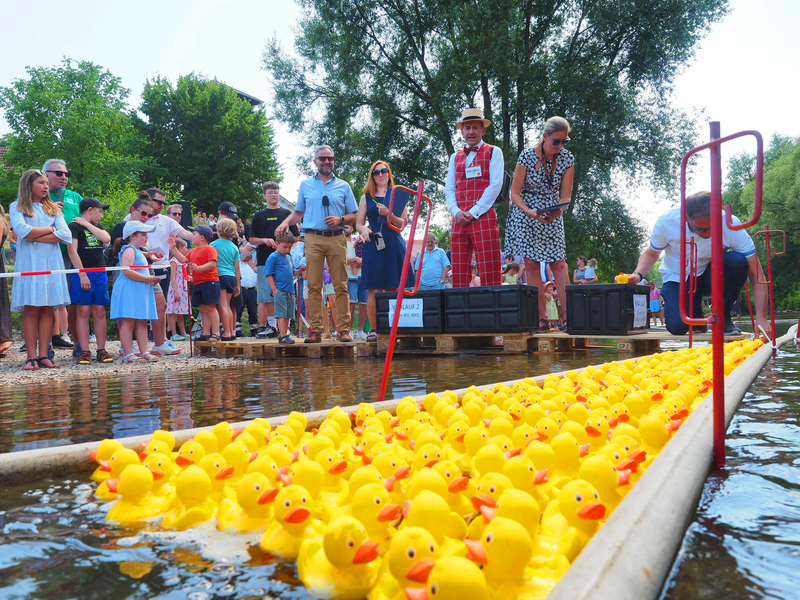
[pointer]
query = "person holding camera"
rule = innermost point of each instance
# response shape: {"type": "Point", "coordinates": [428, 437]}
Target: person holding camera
{"type": "Point", "coordinates": [384, 248]}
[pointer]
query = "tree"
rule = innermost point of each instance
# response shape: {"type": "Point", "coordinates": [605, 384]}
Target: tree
{"type": "Point", "coordinates": [210, 141]}
{"type": "Point", "coordinates": [75, 112]}
{"type": "Point", "coordinates": [388, 79]}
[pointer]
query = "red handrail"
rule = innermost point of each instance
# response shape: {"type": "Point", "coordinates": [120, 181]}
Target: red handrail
{"type": "Point", "coordinates": [401, 290]}
{"type": "Point", "coordinates": [768, 282]}
{"type": "Point", "coordinates": [692, 284]}
{"type": "Point", "coordinates": [750, 306]}
{"type": "Point", "coordinates": [717, 264]}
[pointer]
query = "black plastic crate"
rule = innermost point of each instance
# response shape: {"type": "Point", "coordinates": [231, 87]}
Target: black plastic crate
{"type": "Point", "coordinates": [491, 309]}
{"type": "Point", "coordinates": [608, 309]}
{"type": "Point", "coordinates": [432, 305]}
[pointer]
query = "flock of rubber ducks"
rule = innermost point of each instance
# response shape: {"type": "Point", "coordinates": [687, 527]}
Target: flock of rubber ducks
{"type": "Point", "coordinates": [489, 495]}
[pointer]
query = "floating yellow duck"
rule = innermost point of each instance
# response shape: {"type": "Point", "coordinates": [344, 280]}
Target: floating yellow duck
{"type": "Point", "coordinates": [192, 488]}
{"type": "Point", "coordinates": [292, 522]}
{"type": "Point", "coordinates": [136, 503]}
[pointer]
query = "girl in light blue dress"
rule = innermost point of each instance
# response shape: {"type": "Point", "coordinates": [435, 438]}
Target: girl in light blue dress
{"type": "Point", "coordinates": [39, 226]}
{"type": "Point", "coordinates": [132, 299]}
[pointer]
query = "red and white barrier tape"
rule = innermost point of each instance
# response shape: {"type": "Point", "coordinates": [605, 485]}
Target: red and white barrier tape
{"type": "Point", "coordinates": [87, 270]}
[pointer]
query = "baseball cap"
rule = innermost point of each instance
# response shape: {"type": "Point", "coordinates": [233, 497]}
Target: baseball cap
{"type": "Point", "coordinates": [203, 230]}
{"type": "Point", "coordinates": [229, 209]}
{"type": "Point", "coordinates": [132, 227]}
{"type": "Point", "coordinates": [88, 203]}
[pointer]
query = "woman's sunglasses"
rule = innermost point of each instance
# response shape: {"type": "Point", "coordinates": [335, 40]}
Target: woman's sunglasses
{"type": "Point", "coordinates": [556, 141]}
{"type": "Point", "coordinates": [146, 214]}
{"type": "Point", "coordinates": [383, 171]}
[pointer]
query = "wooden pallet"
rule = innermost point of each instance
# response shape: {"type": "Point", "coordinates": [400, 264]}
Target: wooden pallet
{"type": "Point", "coordinates": [270, 349]}
{"type": "Point", "coordinates": [461, 343]}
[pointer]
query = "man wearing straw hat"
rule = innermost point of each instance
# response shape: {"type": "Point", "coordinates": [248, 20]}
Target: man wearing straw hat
{"type": "Point", "coordinates": [474, 180]}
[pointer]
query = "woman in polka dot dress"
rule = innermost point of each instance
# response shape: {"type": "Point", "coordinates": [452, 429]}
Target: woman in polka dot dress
{"type": "Point", "coordinates": [543, 178]}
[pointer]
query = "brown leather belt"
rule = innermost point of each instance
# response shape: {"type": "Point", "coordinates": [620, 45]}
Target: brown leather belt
{"type": "Point", "coordinates": [324, 232]}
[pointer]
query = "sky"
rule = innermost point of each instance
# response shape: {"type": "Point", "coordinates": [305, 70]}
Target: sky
{"type": "Point", "coordinates": [745, 73]}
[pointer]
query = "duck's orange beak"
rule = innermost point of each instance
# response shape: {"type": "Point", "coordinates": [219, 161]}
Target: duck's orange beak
{"type": "Point", "coordinates": [112, 485]}
{"type": "Point", "coordinates": [105, 465]}
{"type": "Point", "coordinates": [412, 444]}
{"type": "Point", "coordinates": [593, 431]}
{"type": "Point", "coordinates": [624, 477]}
{"type": "Point", "coordinates": [339, 467]}
{"type": "Point", "coordinates": [389, 482]}
{"type": "Point", "coordinates": [541, 436]}
{"type": "Point", "coordinates": [93, 455]}
{"type": "Point", "coordinates": [512, 453]}
{"type": "Point", "coordinates": [157, 474]}
{"type": "Point", "coordinates": [366, 459]}
{"type": "Point", "coordinates": [458, 485]}
{"type": "Point", "coordinates": [400, 435]}
{"type": "Point", "coordinates": [395, 422]}
{"type": "Point", "coordinates": [624, 417]}
{"type": "Point", "coordinates": [430, 463]}
{"type": "Point", "coordinates": [297, 514]}
{"type": "Point", "coordinates": [592, 510]}
{"type": "Point", "coordinates": [476, 552]}
{"type": "Point", "coordinates": [419, 593]}
{"type": "Point", "coordinates": [585, 449]}
{"type": "Point", "coordinates": [541, 477]}
{"type": "Point", "coordinates": [402, 472]}
{"type": "Point", "coordinates": [657, 396]}
{"type": "Point", "coordinates": [515, 416]}
{"type": "Point", "coordinates": [613, 422]}
{"type": "Point", "coordinates": [420, 571]}
{"type": "Point", "coordinates": [358, 450]}
{"type": "Point", "coordinates": [460, 437]}
{"type": "Point", "coordinates": [388, 438]}
{"type": "Point", "coordinates": [184, 461]}
{"type": "Point", "coordinates": [286, 479]}
{"type": "Point", "coordinates": [390, 512]}
{"type": "Point", "coordinates": [224, 473]}
{"type": "Point", "coordinates": [488, 513]}
{"type": "Point", "coordinates": [253, 456]}
{"type": "Point", "coordinates": [268, 495]}
{"type": "Point", "coordinates": [236, 433]}
{"type": "Point", "coordinates": [406, 508]}
{"type": "Point", "coordinates": [144, 444]}
{"type": "Point", "coordinates": [483, 500]}
{"type": "Point", "coordinates": [628, 465]}
{"type": "Point", "coordinates": [367, 552]}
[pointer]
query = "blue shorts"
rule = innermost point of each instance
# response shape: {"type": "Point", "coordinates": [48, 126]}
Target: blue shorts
{"type": "Point", "coordinates": [227, 283]}
{"type": "Point", "coordinates": [97, 295]}
{"type": "Point", "coordinates": [285, 305]}
{"type": "Point", "coordinates": [206, 293]}
{"type": "Point", "coordinates": [655, 305]}
{"type": "Point", "coordinates": [264, 291]}
{"type": "Point", "coordinates": [357, 293]}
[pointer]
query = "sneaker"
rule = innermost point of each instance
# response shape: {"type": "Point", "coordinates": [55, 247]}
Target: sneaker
{"type": "Point", "coordinates": [272, 332]}
{"type": "Point", "coordinates": [361, 336]}
{"type": "Point", "coordinates": [344, 336]}
{"type": "Point", "coordinates": [313, 338]}
{"type": "Point", "coordinates": [178, 338]}
{"type": "Point", "coordinates": [93, 339]}
{"type": "Point", "coordinates": [731, 328]}
{"type": "Point", "coordinates": [76, 350]}
{"type": "Point", "coordinates": [62, 341]}
{"type": "Point", "coordinates": [263, 332]}
{"type": "Point", "coordinates": [165, 349]}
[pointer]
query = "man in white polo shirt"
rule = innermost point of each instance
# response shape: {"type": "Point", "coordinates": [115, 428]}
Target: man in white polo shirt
{"type": "Point", "coordinates": [740, 263]}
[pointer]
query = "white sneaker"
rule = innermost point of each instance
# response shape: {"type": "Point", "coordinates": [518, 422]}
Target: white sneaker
{"type": "Point", "coordinates": [361, 336]}
{"type": "Point", "coordinates": [165, 349]}
{"type": "Point", "coordinates": [93, 339]}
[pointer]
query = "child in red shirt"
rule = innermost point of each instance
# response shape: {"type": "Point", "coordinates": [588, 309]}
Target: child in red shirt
{"type": "Point", "coordinates": [203, 267]}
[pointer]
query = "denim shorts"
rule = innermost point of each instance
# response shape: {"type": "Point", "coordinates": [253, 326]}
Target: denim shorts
{"type": "Point", "coordinates": [264, 291]}
{"type": "Point", "coordinates": [206, 293]}
{"type": "Point", "coordinates": [285, 305]}
{"type": "Point", "coordinates": [357, 293]}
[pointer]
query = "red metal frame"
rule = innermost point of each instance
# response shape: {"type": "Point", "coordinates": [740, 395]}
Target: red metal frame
{"type": "Point", "coordinates": [692, 282]}
{"type": "Point", "coordinates": [750, 306]}
{"type": "Point", "coordinates": [401, 291]}
{"type": "Point", "coordinates": [768, 282]}
{"type": "Point", "coordinates": [717, 281]}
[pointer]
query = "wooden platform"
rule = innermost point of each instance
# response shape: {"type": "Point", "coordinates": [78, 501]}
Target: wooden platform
{"type": "Point", "coordinates": [521, 343]}
{"type": "Point", "coordinates": [260, 349]}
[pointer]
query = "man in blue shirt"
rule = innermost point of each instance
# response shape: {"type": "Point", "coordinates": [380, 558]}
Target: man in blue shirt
{"type": "Point", "coordinates": [435, 265]}
{"type": "Point", "coordinates": [325, 204]}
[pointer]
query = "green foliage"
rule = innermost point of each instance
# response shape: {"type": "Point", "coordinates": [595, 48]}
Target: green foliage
{"type": "Point", "coordinates": [780, 211]}
{"type": "Point", "coordinates": [121, 196]}
{"type": "Point", "coordinates": [383, 79]}
{"type": "Point", "coordinates": [75, 112]}
{"type": "Point", "coordinates": [204, 137]}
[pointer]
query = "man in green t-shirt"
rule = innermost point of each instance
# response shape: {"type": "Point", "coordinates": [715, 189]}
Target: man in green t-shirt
{"type": "Point", "coordinates": [69, 202]}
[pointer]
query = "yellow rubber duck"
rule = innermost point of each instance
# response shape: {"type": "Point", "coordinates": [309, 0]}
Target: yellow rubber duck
{"type": "Point", "coordinates": [192, 488]}
{"type": "Point", "coordinates": [103, 453]}
{"type": "Point", "coordinates": [374, 509]}
{"type": "Point", "coordinates": [431, 512]}
{"type": "Point", "coordinates": [411, 557]}
{"type": "Point", "coordinates": [189, 453]}
{"type": "Point", "coordinates": [599, 470]}
{"type": "Point", "coordinates": [252, 510]}
{"type": "Point", "coordinates": [343, 566]}
{"type": "Point", "coordinates": [453, 578]}
{"type": "Point", "coordinates": [292, 522]}
{"type": "Point", "coordinates": [207, 440]}
{"type": "Point", "coordinates": [459, 488]}
{"type": "Point", "coordinates": [219, 473]}
{"type": "Point", "coordinates": [121, 458]}
{"type": "Point", "coordinates": [163, 470]}
{"type": "Point", "coordinates": [238, 456]}
{"type": "Point", "coordinates": [136, 503]}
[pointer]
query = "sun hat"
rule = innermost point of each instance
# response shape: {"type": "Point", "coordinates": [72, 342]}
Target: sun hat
{"type": "Point", "coordinates": [473, 114]}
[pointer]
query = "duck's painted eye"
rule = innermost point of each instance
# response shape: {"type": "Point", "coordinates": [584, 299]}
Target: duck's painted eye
{"type": "Point", "coordinates": [287, 503]}
{"type": "Point", "coordinates": [394, 464]}
{"type": "Point", "coordinates": [216, 464]}
{"type": "Point", "coordinates": [257, 487]}
{"type": "Point", "coordinates": [191, 450]}
{"type": "Point", "coordinates": [447, 474]}
{"type": "Point", "coordinates": [616, 456]}
{"type": "Point", "coordinates": [530, 468]}
{"type": "Point", "coordinates": [492, 489]}
{"type": "Point", "coordinates": [330, 459]}
{"type": "Point", "coordinates": [434, 589]}
{"type": "Point", "coordinates": [578, 498]}
{"type": "Point", "coordinates": [303, 499]}
{"type": "Point", "coordinates": [596, 497]}
{"type": "Point", "coordinates": [411, 553]}
{"type": "Point", "coordinates": [431, 547]}
{"type": "Point", "coordinates": [350, 543]}
{"type": "Point", "coordinates": [526, 434]}
{"type": "Point", "coordinates": [489, 537]}
{"type": "Point", "coordinates": [377, 500]}
{"type": "Point", "coordinates": [425, 455]}
{"type": "Point", "coordinates": [614, 468]}
{"type": "Point", "coordinates": [159, 464]}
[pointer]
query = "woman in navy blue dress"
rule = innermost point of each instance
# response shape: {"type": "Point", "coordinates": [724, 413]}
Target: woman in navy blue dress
{"type": "Point", "coordinates": [384, 248]}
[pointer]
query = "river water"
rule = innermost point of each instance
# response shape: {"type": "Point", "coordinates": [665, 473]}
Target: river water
{"type": "Point", "coordinates": [53, 542]}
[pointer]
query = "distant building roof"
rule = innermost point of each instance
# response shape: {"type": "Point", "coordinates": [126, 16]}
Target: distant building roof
{"type": "Point", "coordinates": [284, 203]}
{"type": "Point", "coordinates": [251, 99]}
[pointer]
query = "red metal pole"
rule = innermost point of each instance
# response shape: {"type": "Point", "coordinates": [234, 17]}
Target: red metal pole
{"type": "Point", "coordinates": [717, 299]}
{"type": "Point", "coordinates": [692, 284]}
{"type": "Point", "coordinates": [401, 291]}
{"type": "Point", "coordinates": [770, 292]}
{"type": "Point", "coordinates": [750, 306]}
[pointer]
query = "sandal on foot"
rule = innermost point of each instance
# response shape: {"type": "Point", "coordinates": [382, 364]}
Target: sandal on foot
{"type": "Point", "coordinates": [213, 337]}
{"type": "Point", "coordinates": [285, 339]}
{"type": "Point", "coordinates": [104, 357]}
{"type": "Point", "coordinates": [133, 358]}
{"type": "Point", "coordinates": [544, 325]}
{"type": "Point", "coordinates": [85, 358]}
{"type": "Point", "coordinates": [149, 357]}
{"type": "Point", "coordinates": [52, 365]}
{"type": "Point", "coordinates": [372, 336]}
{"type": "Point", "coordinates": [32, 364]}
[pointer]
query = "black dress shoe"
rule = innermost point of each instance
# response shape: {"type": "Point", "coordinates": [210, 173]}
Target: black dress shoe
{"type": "Point", "coordinates": [62, 341]}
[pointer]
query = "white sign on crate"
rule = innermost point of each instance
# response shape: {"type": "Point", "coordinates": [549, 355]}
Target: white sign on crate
{"type": "Point", "coordinates": [640, 309]}
{"type": "Point", "coordinates": [410, 312]}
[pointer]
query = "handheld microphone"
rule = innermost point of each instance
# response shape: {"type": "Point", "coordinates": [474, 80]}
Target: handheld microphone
{"type": "Point", "coordinates": [326, 202]}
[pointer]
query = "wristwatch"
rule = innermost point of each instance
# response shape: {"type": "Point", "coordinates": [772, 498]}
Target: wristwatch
{"type": "Point", "coordinates": [641, 277]}
{"type": "Point", "coordinates": [342, 220]}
